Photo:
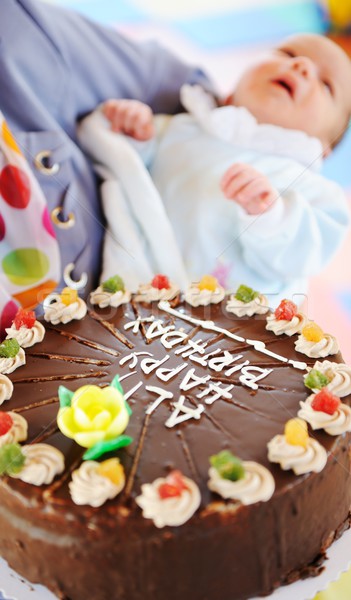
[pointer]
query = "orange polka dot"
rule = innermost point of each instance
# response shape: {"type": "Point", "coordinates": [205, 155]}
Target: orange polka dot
{"type": "Point", "coordinates": [9, 139]}
{"type": "Point", "coordinates": [34, 296]}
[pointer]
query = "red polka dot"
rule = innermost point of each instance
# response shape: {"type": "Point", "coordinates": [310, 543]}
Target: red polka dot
{"type": "Point", "coordinates": [48, 226]}
{"type": "Point", "coordinates": [7, 316]}
{"type": "Point", "coordinates": [2, 228]}
{"type": "Point", "coordinates": [15, 186]}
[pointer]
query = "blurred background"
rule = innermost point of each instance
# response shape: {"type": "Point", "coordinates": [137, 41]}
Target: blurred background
{"type": "Point", "coordinates": [222, 36]}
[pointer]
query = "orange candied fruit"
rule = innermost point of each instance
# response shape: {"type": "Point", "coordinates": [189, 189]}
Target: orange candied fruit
{"type": "Point", "coordinates": [312, 332]}
{"type": "Point", "coordinates": [68, 296]}
{"type": "Point", "coordinates": [208, 282]}
{"type": "Point", "coordinates": [296, 432]}
{"type": "Point", "coordinates": [112, 469]}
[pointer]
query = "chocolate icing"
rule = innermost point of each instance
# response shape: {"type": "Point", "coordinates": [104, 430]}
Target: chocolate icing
{"type": "Point", "coordinates": [225, 550]}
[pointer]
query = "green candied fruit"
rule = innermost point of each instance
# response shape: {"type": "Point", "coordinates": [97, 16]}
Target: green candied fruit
{"type": "Point", "coordinates": [11, 459]}
{"type": "Point", "coordinates": [245, 294]}
{"type": "Point", "coordinates": [113, 284]}
{"type": "Point", "coordinates": [316, 380]}
{"type": "Point", "coordinates": [228, 465]}
{"type": "Point", "coordinates": [9, 348]}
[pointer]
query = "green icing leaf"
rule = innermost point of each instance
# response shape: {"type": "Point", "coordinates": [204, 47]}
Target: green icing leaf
{"type": "Point", "coordinates": [228, 466]}
{"type": "Point", "coordinates": [107, 446]}
{"type": "Point", "coordinates": [113, 284]}
{"type": "Point", "coordinates": [9, 348]}
{"type": "Point", "coordinates": [115, 383]}
{"type": "Point", "coordinates": [245, 294]}
{"type": "Point", "coordinates": [316, 380]}
{"type": "Point", "coordinates": [11, 459]}
{"type": "Point", "coordinates": [65, 396]}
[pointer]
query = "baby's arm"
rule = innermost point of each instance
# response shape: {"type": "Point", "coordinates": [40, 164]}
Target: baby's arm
{"type": "Point", "coordinates": [249, 188]}
{"type": "Point", "coordinates": [130, 117]}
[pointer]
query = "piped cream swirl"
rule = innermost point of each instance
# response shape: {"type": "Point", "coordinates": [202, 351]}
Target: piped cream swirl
{"type": "Point", "coordinates": [18, 431]}
{"type": "Point", "coordinates": [256, 485]}
{"type": "Point", "coordinates": [58, 312]}
{"type": "Point", "coordinates": [148, 293]}
{"type": "Point", "coordinates": [300, 459]}
{"type": "Point", "coordinates": [25, 336]}
{"type": "Point", "coordinates": [6, 388]}
{"type": "Point", "coordinates": [42, 463]}
{"type": "Point", "coordinates": [8, 365]}
{"type": "Point", "coordinates": [326, 346]}
{"type": "Point", "coordinates": [339, 376]}
{"type": "Point", "coordinates": [336, 424]}
{"type": "Point", "coordinates": [197, 297]}
{"type": "Point", "coordinates": [104, 299]}
{"type": "Point", "coordinates": [88, 486]}
{"type": "Point", "coordinates": [257, 306]}
{"type": "Point", "coordinates": [168, 511]}
{"type": "Point", "coordinates": [280, 326]}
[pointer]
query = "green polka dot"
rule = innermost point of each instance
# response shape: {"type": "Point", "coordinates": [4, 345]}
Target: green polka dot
{"type": "Point", "coordinates": [25, 266]}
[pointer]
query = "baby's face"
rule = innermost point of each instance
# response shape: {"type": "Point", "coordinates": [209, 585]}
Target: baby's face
{"type": "Point", "coordinates": [304, 84]}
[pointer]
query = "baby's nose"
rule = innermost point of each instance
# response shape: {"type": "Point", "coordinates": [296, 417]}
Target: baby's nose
{"type": "Point", "coordinates": [305, 66]}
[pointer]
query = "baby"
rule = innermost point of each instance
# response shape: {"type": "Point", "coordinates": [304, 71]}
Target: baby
{"type": "Point", "coordinates": [260, 148]}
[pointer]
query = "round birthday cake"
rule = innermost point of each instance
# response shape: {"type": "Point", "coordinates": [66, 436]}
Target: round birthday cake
{"type": "Point", "coordinates": [168, 445]}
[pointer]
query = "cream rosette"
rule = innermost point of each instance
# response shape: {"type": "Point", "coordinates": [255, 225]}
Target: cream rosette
{"type": "Point", "coordinates": [257, 306]}
{"type": "Point", "coordinates": [204, 297]}
{"type": "Point", "coordinates": [104, 299]}
{"type": "Point", "coordinates": [42, 463]}
{"type": "Point", "coordinates": [8, 365]}
{"type": "Point", "coordinates": [148, 293]}
{"type": "Point", "coordinates": [339, 375]}
{"type": "Point", "coordinates": [90, 487]}
{"type": "Point", "coordinates": [55, 311]}
{"type": "Point", "coordinates": [256, 485]}
{"type": "Point", "coordinates": [27, 336]}
{"type": "Point", "coordinates": [336, 424]}
{"type": "Point", "coordinates": [326, 346]}
{"type": "Point", "coordinates": [280, 326]}
{"type": "Point", "coordinates": [6, 388]}
{"type": "Point", "coordinates": [18, 431]}
{"type": "Point", "coordinates": [301, 459]}
{"type": "Point", "coordinates": [172, 511]}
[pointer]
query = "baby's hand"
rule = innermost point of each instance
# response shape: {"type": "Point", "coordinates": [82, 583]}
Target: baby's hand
{"type": "Point", "coordinates": [130, 117]}
{"type": "Point", "coordinates": [249, 188]}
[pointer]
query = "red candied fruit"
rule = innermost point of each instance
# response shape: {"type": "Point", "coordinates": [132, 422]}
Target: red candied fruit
{"type": "Point", "coordinates": [161, 282]}
{"type": "Point", "coordinates": [285, 311]}
{"type": "Point", "coordinates": [24, 318]}
{"type": "Point", "coordinates": [325, 402]}
{"type": "Point", "coordinates": [173, 486]}
{"type": "Point", "coordinates": [6, 422]}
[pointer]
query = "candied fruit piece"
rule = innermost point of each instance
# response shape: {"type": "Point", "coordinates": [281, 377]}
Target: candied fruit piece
{"type": "Point", "coordinates": [228, 466]}
{"type": "Point", "coordinates": [161, 282]}
{"type": "Point", "coordinates": [312, 332]}
{"type": "Point", "coordinates": [286, 310]}
{"type": "Point", "coordinates": [296, 432]}
{"type": "Point", "coordinates": [11, 459]}
{"type": "Point", "coordinates": [24, 318]}
{"type": "Point", "coordinates": [245, 294]}
{"type": "Point", "coordinates": [68, 296]}
{"type": "Point", "coordinates": [208, 282]}
{"type": "Point", "coordinates": [113, 284]}
{"type": "Point", "coordinates": [173, 486]}
{"type": "Point", "coordinates": [112, 469]}
{"type": "Point", "coordinates": [6, 422]}
{"type": "Point", "coordinates": [316, 380]}
{"type": "Point", "coordinates": [9, 348]}
{"type": "Point", "coordinates": [326, 402]}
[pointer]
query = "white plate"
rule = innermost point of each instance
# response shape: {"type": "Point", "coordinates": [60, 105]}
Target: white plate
{"type": "Point", "coordinates": [14, 587]}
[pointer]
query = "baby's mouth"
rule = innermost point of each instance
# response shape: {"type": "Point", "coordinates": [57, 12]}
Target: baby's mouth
{"type": "Point", "coordinates": [286, 85]}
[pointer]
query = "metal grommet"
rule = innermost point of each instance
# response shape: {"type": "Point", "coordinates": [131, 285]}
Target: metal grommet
{"type": "Point", "coordinates": [42, 164]}
{"type": "Point", "coordinates": [55, 217]}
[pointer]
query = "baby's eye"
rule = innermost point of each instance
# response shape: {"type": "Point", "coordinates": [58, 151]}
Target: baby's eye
{"type": "Point", "coordinates": [287, 52]}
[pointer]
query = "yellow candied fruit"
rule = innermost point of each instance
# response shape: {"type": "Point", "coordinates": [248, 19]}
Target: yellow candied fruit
{"type": "Point", "coordinates": [68, 296]}
{"type": "Point", "coordinates": [312, 332]}
{"type": "Point", "coordinates": [208, 282]}
{"type": "Point", "coordinates": [296, 432]}
{"type": "Point", "coordinates": [112, 469]}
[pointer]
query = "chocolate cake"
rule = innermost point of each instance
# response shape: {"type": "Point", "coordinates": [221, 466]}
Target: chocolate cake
{"type": "Point", "coordinates": [226, 549]}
